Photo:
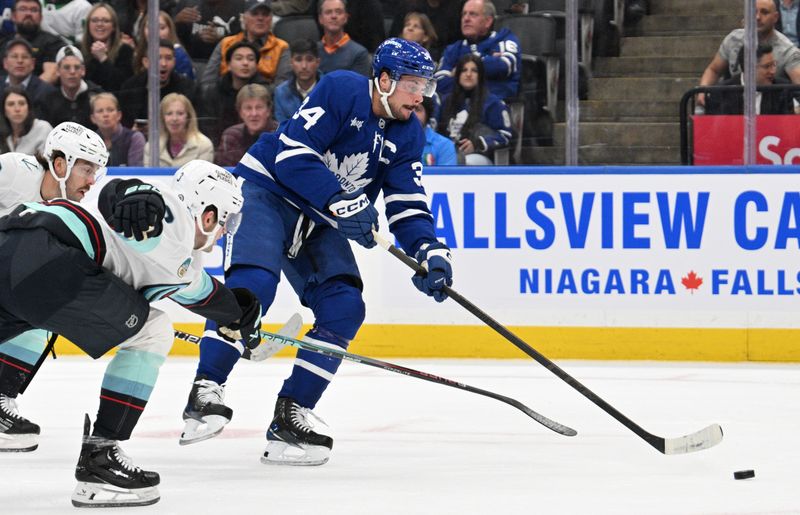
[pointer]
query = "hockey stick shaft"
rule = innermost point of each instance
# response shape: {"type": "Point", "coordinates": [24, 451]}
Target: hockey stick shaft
{"type": "Point", "coordinates": [335, 352]}
{"type": "Point", "coordinates": [702, 439]}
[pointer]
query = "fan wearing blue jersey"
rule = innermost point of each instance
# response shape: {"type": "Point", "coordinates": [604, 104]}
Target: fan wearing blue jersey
{"type": "Point", "coordinates": [309, 188]}
{"type": "Point", "coordinates": [498, 49]}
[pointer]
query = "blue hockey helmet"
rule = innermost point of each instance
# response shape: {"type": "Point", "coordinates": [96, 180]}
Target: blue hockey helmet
{"type": "Point", "coordinates": [401, 57]}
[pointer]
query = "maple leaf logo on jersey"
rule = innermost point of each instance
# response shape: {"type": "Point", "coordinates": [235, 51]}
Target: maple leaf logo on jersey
{"type": "Point", "coordinates": [350, 171]}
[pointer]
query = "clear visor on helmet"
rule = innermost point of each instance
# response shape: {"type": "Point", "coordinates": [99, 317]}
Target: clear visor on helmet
{"type": "Point", "coordinates": [86, 169]}
{"type": "Point", "coordinates": [417, 85]}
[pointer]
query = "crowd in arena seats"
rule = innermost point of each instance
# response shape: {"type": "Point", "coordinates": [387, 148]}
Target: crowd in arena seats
{"type": "Point", "coordinates": [225, 75]}
{"type": "Point", "coordinates": [778, 60]}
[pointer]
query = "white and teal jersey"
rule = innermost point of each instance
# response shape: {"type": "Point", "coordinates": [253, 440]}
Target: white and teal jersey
{"type": "Point", "coordinates": [20, 180]}
{"type": "Point", "coordinates": [166, 265]}
{"type": "Point", "coordinates": [159, 266]}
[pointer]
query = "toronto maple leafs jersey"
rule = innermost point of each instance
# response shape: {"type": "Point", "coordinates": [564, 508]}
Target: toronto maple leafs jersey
{"type": "Point", "coordinates": [500, 54]}
{"type": "Point", "coordinates": [335, 142]}
{"type": "Point", "coordinates": [20, 180]}
{"type": "Point", "coordinates": [163, 266]}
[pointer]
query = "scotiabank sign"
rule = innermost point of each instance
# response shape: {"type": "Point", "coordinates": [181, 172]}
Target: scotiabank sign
{"type": "Point", "coordinates": [719, 139]}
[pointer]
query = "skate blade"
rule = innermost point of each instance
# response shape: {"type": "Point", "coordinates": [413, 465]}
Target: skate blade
{"type": "Point", "coordinates": [102, 495]}
{"type": "Point", "coordinates": [199, 430]}
{"type": "Point", "coordinates": [18, 443]}
{"type": "Point", "coordinates": [281, 453]}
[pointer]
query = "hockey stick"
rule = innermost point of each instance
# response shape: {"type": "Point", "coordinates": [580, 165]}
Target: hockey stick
{"type": "Point", "coordinates": [336, 352]}
{"type": "Point", "coordinates": [51, 341]}
{"type": "Point", "coordinates": [703, 439]}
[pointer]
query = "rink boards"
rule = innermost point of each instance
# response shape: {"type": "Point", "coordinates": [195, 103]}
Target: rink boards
{"type": "Point", "coordinates": [592, 262]}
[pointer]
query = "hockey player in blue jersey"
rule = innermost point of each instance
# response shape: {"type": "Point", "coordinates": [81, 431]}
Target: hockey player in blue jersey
{"type": "Point", "coordinates": [308, 189]}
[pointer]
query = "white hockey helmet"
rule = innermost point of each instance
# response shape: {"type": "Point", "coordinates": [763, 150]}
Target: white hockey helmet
{"type": "Point", "coordinates": [76, 142]}
{"type": "Point", "coordinates": [200, 185]}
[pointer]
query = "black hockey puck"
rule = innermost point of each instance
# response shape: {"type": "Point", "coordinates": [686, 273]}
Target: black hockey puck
{"type": "Point", "coordinates": [744, 474]}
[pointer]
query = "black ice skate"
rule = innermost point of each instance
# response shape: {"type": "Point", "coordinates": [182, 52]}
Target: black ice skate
{"type": "Point", "coordinates": [107, 477]}
{"type": "Point", "coordinates": [17, 434]}
{"type": "Point", "coordinates": [290, 439]}
{"type": "Point", "coordinates": [205, 414]}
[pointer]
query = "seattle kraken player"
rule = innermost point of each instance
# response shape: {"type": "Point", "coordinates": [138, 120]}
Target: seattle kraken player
{"type": "Point", "coordinates": [309, 188]}
{"type": "Point", "coordinates": [102, 266]}
{"type": "Point", "coordinates": [74, 158]}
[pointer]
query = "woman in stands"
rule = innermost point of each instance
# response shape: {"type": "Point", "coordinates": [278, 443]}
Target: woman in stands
{"type": "Point", "coordinates": [166, 31]}
{"type": "Point", "coordinates": [417, 27]}
{"type": "Point", "coordinates": [477, 121]}
{"type": "Point", "coordinates": [180, 140]}
{"type": "Point", "coordinates": [25, 133]}
{"type": "Point", "coordinates": [125, 146]}
{"type": "Point", "coordinates": [109, 62]}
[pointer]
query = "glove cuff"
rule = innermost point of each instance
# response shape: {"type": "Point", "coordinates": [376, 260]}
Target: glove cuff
{"type": "Point", "coordinates": [344, 207]}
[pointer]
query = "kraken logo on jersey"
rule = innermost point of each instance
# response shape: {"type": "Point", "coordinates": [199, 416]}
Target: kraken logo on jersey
{"type": "Point", "coordinates": [184, 267]}
{"type": "Point", "coordinates": [350, 171]}
{"type": "Point", "coordinates": [132, 321]}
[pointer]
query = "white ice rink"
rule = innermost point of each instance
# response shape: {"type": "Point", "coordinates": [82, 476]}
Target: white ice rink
{"type": "Point", "coordinates": [407, 446]}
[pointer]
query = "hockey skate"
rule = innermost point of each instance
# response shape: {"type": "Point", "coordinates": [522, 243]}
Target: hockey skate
{"type": "Point", "coordinates": [205, 414]}
{"type": "Point", "coordinates": [17, 434]}
{"type": "Point", "coordinates": [290, 439]}
{"type": "Point", "coordinates": [107, 478]}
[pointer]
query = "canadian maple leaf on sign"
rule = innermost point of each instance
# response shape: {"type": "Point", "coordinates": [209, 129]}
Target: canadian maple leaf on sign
{"type": "Point", "coordinates": [692, 281]}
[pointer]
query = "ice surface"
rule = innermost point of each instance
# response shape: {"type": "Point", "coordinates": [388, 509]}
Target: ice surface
{"type": "Point", "coordinates": [408, 446]}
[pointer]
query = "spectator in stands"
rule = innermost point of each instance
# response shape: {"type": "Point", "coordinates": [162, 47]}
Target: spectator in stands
{"type": "Point", "coordinates": [417, 27]}
{"type": "Point", "coordinates": [291, 7]}
{"type": "Point", "coordinates": [444, 15]}
{"type": "Point", "coordinates": [125, 146]}
{"type": "Point", "coordinates": [273, 57]}
{"type": "Point", "coordinates": [69, 102]}
{"type": "Point", "coordinates": [166, 31]}
{"type": "Point", "coordinates": [305, 75]}
{"type": "Point", "coordinates": [18, 63]}
{"type": "Point", "coordinates": [27, 18]}
{"type": "Point", "coordinates": [6, 22]}
{"type": "Point", "coordinates": [767, 102]}
{"type": "Point", "coordinates": [134, 90]}
{"type": "Point", "coordinates": [498, 49]}
{"type": "Point", "coordinates": [254, 105]}
{"type": "Point", "coordinates": [130, 14]}
{"type": "Point", "coordinates": [109, 62]}
{"type": "Point", "coordinates": [65, 18]}
{"type": "Point", "coordinates": [219, 100]}
{"type": "Point", "coordinates": [202, 24]}
{"type": "Point", "coordinates": [789, 19]}
{"type": "Point", "coordinates": [337, 50]}
{"type": "Point", "coordinates": [476, 120]}
{"type": "Point", "coordinates": [365, 23]}
{"type": "Point", "coordinates": [26, 133]}
{"type": "Point", "coordinates": [438, 150]}
{"type": "Point", "coordinates": [726, 60]}
{"type": "Point", "coordinates": [180, 140]}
